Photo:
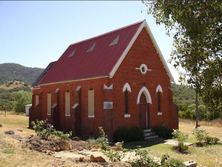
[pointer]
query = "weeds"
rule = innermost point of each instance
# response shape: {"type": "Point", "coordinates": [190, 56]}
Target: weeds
{"type": "Point", "coordinates": [143, 159]}
{"type": "Point", "coordinates": [44, 132]}
{"type": "Point", "coordinates": [104, 140]}
{"type": "Point", "coordinates": [114, 156]}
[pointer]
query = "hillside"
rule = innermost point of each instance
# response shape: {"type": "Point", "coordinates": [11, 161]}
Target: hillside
{"type": "Point", "coordinates": [14, 86]}
{"type": "Point", "coordinates": [14, 77]}
{"type": "Point", "coordinates": [183, 95]}
{"type": "Point", "coordinates": [16, 72]}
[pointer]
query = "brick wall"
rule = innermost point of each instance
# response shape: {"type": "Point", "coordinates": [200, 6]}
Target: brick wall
{"type": "Point", "coordinates": [142, 52]}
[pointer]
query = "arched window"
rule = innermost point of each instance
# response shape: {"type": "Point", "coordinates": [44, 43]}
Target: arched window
{"type": "Point", "coordinates": [159, 91]}
{"type": "Point", "coordinates": [126, 89]}
{"type": "Point", "coordinates": [145, 91]}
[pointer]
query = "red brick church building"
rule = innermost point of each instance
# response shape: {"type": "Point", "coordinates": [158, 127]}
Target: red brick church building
{"type": "Point", "coordinates": [117, 79]}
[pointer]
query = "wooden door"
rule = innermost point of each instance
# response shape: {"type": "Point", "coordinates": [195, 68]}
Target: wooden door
{"type": "Point", "coordinates": [143, 112]}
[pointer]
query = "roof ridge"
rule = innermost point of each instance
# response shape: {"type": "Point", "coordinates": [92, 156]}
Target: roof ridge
{"type": "Point", "coordinates": [107, 32]}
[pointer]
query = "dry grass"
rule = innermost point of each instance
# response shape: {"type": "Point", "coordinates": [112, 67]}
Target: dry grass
{"type": "Point", "coordinates": [214, 128]}
{"type": "Point", "coordinates": [207, 156]}
{"type": "Point", "coordinates": [12, 152]}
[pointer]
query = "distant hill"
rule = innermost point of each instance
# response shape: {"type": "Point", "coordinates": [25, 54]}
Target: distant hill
{"type": "Point", "coordinates": [16, 72]}
{"type": "Point", "coordinates": [183, 95]}
{"type": "Point", "coordinates": [14, 86]}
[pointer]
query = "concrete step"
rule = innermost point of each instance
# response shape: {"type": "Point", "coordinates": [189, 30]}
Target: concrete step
{"type": "Point", "coordinates": [148, 134]}
{"type": "Point", "coordinates": [146, 130]}
{"type": "Point", "coordinates": [151, 137]}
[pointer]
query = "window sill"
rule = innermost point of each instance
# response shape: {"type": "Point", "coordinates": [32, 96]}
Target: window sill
{"type": "Point", "coordinates": [67, 115]}
{"type": "Point", "coordinates": [91, 116]}
{"type": "Point", "coordinates": [48, 113]}
{"type": "Point", "coordinates": [126, 115]}
{"type": "Point", "coordinates": [159, 113]}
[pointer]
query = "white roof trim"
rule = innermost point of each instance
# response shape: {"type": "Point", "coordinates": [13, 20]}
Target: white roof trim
{"type": "Point", "coordinates": [159, 52]}
{"type": "Point", "coordinates": [112, 73]}
{"type": "Point", "coordinates": [144, 24]}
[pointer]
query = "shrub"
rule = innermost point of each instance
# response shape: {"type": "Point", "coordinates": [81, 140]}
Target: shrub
{"type": "Point", "coordinates": [181, 138]}
{"type": "Point", "coordinates": [200, 134]}
{"type": "Point", "coordinates": [216, 140]}
{"type": "Point", "coordinates": [143, 159]}
{"type": "Point", "coordinates": [128, 135]}
{"type": "Point", "coordinates": [182, 147]}
{"type": "Point", "coordinates": [211, 140]}
{"type": "Point", "coordinates": [163, 131]}
{"type": "Point", "coordinates": [136, 134]}
{"type": "Point", "coordinates": [41, 129]}
{"type": "Point", "coordinates": [122, 134]}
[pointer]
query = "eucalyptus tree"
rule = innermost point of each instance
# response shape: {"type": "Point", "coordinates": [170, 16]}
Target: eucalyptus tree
{"type": "Point", "coordinates": [196, 26]}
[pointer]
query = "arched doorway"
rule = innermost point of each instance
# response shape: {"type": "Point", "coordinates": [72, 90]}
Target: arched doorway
{"type": "Point", "coordinates": [143, 100]}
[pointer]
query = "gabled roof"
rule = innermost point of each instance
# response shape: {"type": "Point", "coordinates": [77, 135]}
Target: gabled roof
{"type": "Point", "coordinates": [38, 80]}
{"type": "Point", "coordinates": [97, 57]}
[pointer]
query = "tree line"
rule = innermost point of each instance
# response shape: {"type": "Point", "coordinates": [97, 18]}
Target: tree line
{"type": "Point", "coordinates": [184, 97]}
{"type": "Point", "coordinates": [196, 27]}
{"type": "Point", "coordinates": [15, 99]}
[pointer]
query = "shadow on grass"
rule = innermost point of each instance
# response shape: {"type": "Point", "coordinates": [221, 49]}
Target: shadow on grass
{"type": "Point", "coordinates": [141, 144]}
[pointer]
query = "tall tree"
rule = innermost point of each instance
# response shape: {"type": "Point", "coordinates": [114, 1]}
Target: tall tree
{"type": "Point", "coordinates": [22, 98]}
{"type": "Point", "coordinates": [196, 26]}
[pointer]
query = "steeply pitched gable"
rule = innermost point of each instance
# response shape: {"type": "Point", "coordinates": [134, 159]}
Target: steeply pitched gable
{"type": "Point", "coordinates": [97, 57]}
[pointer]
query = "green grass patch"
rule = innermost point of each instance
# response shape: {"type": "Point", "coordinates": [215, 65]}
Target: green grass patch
{"type": "Point", "coordinates": [8, 151]}
{"type": "Point", "coordinates": [141, 144]}
{"type": "Point", "coordinates": [189, 140]}
{"type": "Point", "coordinates": [150, 145]}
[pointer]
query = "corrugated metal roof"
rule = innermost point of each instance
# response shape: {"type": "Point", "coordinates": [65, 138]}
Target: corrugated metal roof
{"type": "Point", "coordinates": [38, 80]}
{"type": "Point", "coordinates": [93, 57]}
{"type": "Point", "coordinates": [98, 56]}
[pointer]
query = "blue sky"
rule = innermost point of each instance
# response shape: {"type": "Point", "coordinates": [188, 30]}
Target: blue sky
{"type": "Point", "coordinates": [35, 33]}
